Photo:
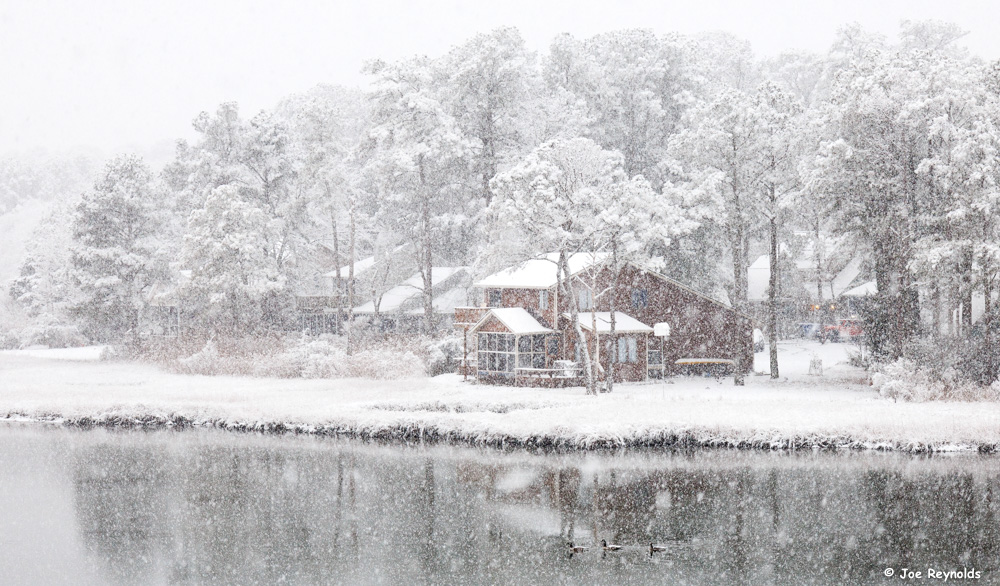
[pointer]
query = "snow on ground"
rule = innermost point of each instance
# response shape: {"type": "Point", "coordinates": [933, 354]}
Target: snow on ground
{"type": "Point", "coordinates": [798, 410]}
{"type": "Point", "coordinates": [89, 353]}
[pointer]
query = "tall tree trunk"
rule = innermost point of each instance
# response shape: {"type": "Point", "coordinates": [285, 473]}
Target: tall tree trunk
{"type": "Point", "coordinates": [574, 308]}
{"type": "Point", "coordinates": [772, 301]}
{"type": "Point", "coordinates": [339, 282]}
{"type": "Point", "coordinates": [739, 247]}
{"type": "Point", "coordinates": [350, 279]}
{"type": "Point", "coordinates": [613, 355]}
{"type": "Point", "coordinates": [426, 247]}
{"type": "Point", "coordinates": [965, 278]}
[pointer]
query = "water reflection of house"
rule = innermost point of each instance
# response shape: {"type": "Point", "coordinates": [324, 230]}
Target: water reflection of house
{"type": "Point", "coordinates": [522, 331]}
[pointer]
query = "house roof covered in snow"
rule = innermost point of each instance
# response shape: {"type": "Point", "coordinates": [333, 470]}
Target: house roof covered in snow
{"type": "Point", "coordinates": [758, 278]}
{"type": "Point", "coordinates": [363, 265]}
{"type": "Point", "coordinates": [446, 302]}
{"type": "Point", "coordinates": [540, 273]}
{"type": "Point", "coordinates": [516, 319]}
{"type": "Point", "coordinates": [624, 323]}
{"type": "Point", "coordinates": [840, 283]}
{"type": "Point", "coordinates": [862, 290]}
{"type": "Point", "coordinates": [394, 299]}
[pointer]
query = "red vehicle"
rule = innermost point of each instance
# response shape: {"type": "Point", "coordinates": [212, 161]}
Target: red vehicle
{"type": "Point", "coordinates": [847, 330]}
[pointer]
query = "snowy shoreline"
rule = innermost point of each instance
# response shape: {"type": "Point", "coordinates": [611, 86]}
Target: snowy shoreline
{"type": "Point", "coordinates": [836, 411]}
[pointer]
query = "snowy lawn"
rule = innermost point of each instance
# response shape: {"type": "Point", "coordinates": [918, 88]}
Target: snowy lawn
{"type": "Point", "coordinates": [835, 409]}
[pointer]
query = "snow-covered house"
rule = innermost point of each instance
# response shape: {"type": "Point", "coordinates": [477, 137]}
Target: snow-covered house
{"type": "Point", "coordinates": [401, 308]}
{"type": "Point", "coordinates": [164, 313]}
{"type": "Point", "coordinates": [522, 333]}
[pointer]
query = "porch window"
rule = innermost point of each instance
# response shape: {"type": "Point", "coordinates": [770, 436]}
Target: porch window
{"type": "Point", "coordinates": [496, 353]}
{"type": "Point", "coordinates": [628, 349]}
{"type": "Point", "coordinates": [654, 364]}
{"type": "Point", "coordinates": [531, 351]}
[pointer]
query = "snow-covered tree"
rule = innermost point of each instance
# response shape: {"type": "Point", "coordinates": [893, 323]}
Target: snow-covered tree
{"type": "Point", "coordinates": [233, 276]}
{"type": "Point", "coordinates": [327, 125]}
{"type": "Point", "coordinates": [634, 224]}
{"type": "Point", "coordinates": [880, 120]}
{"type": "Point", "coordinates": [414, 163]}
{"type": "Point", "coordinates": [44, 285]}
{"type": "Point", "coordinates": [115, 255]}
{"type": "Point", "coordinates": [635, 86]}
{"type": "Point", "coordinates": [254, 162]}
{"type": "Point", "coordinates": [491, 90]}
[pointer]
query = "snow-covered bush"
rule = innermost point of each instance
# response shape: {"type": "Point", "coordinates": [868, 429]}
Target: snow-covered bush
{"type": "Point", "coordinates": [443, 355]}
{"type": "Point", "coordinates": [385, 364]}
{"type": "Point", "coordinates": [50, 335]}
{"type": "Point", "coordinates": [326, 357]}
{"type": "Point", "coordinates": [205, 361]}
{"type": "Point", "coordinates": [305, 358]}
{"type": "Point", "coordinates": [905, 380]}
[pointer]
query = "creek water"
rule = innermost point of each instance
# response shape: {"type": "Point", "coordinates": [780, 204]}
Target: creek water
{"type": "Point", "coordinates": [203, 506]}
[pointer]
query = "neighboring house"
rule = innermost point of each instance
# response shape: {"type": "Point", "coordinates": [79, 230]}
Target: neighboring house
{"type": "Point", "coordinates": [401, 308]}
{"type": "Point", "coordinates": [522, 331]}
{"type": "Point", "coordinates": [164, 314]}
{"type": "Point", "coordinates": [806, 293]}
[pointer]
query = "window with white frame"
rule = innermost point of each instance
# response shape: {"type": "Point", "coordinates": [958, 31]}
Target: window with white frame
{"type": "Point", "coordinates": [531, 351]}
{"type": "Point", "coordinates": [543, 299]}
{"type": "Point", "coordinates": [496, 353]}
{"type": "Point", "coordinates": [586, 299]}
{"type": "Point", "coordinates": [628, 349]}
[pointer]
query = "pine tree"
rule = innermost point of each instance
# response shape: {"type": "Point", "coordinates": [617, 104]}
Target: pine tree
{"type": "Point", "coordinates": [115, 254]}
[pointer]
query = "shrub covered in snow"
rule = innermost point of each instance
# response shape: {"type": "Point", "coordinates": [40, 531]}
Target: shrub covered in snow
{"type": "Point", "coordinates": [299, 357]}
{"type": "Point", "coordinates": [205, 361]}
{"type": "Point", "coordinates": [444, 355]}
{"type": "Point", "coordinates": [326, 357]}
{"type": "Point", "coordinates": [50, 335]}
{"type": "Point", "coordinates": [906, 380]}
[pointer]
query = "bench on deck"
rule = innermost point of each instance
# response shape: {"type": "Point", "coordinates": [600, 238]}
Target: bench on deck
{"type": "Point", "coordinates": [717, 367]}
{"type": "Point", "coordinates": [566, 375]}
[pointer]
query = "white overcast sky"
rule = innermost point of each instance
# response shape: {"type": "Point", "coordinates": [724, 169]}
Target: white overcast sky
{"type": "Point", "coordinates": [123, 74]}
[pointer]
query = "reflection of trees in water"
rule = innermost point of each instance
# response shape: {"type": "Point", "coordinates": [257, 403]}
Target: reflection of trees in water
{"type": "Point", "coordinates": [122, 511]}
{"type": "Point", "coordinates": [946, 520]}
{"type": "Point", "coordinates": [334, 513]}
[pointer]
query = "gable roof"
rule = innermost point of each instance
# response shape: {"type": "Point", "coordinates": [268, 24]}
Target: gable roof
{"type": "Point", "coordinates": [540, 273]}
{"type": "Point", "coordinates": [516, 319]}
{"type": "Point", "coordinates": [624, 323]}
{"type": "Point", "coordinates": [364, 265]}
{"type": "Point", "coordinates": [394, 299]}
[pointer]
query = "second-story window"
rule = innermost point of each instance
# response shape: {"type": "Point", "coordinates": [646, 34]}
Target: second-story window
{"type": "Point", "coordinates": [586, 299]}
{"type": "Point", "coordinates": [494, 297]}
{"type": "Point", "coordinates": [543, 300]}
{"type": "Point", "coordinates": [640, 298]}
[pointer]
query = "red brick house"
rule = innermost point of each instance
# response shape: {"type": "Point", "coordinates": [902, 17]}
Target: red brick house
{"type": "Point", "coordinates": [522, 332]}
